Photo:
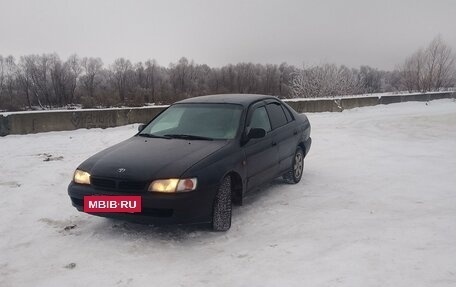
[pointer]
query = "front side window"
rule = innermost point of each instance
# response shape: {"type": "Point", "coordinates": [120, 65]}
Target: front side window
{"type": "Point", "coordinates": [211, 121]}
{"type": "Point", "coordinates": [260, 119]}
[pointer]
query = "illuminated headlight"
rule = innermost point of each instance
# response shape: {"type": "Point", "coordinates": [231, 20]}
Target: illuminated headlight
{"type": "Point", "coordinates": [81, 177]}
{"type": "Point", "coordinates": [173, 185]}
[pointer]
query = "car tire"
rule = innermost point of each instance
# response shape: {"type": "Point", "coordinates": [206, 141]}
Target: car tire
{"type": "Point", "coordinates": [294, 175]}
{"type": "Point", "coordinates": [222, 211]}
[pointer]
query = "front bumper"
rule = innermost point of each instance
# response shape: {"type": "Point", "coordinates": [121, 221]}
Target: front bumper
{"type": "Point", "coordinates": [157, 208]}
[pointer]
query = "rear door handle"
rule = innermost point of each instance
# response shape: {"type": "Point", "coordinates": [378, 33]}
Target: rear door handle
{"type": "Point", "coordinates": [295, 132]}
{"type": "Point", "coordinates": [274, 143]}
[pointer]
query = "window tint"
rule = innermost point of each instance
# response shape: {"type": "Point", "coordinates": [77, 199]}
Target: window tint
{"type": "Point", "coordinates": [260, 119]}
{"type": "Point", "coordinates": [216, 121]}
{"type": "Point", "coordinates": [276, 115]}
{"type": "Point", "coordinates": [287, 113]}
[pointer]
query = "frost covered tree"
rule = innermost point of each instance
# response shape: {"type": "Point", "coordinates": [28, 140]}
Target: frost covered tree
{"type": "Point", "coordinates": [38, 71]}
{"type": "Point", "coordinates": [91, 75]}
{"type": "Point", "coordinates": [47, 81]}
{"type": "Point", "coordinates": [181, 77]}
{"type": "Point", "coordinates": [370, 79]}
{"type": "Point", "coordinates": [430, 69]}
{"type": "Point", "coordinates": [121, 77]}
{"type": "Point", "coordinates": [327, 80]}
{"type": "Point", "coordinates": [64, 78]}
{"type": "Point", "coordinates": [153, 79]}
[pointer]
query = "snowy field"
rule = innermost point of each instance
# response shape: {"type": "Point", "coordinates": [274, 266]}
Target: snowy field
{"type": "Point", "coordinates": [376, 207]}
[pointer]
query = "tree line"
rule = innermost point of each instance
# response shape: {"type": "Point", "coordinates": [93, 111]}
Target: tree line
{"type": "Point", "coordinates": [46, 81]}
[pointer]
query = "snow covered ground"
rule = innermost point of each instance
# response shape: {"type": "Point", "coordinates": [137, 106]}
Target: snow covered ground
{"type": "Point", "coordinates": [376, 207]}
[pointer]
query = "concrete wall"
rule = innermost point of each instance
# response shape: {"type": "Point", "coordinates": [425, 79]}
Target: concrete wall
{"type": "Point", "coordinates": [35, 122]}
{"type": "Point", "coordinates": [340, 104]}
{"type": "Point", "coordinates": [332, 105]}
{"type": "Point", "coordinates": [3, 125]}
{"type": "Point", "coordinates": [314, 106]}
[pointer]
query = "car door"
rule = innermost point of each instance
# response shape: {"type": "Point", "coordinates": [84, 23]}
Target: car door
{"type": "Point", "coordinates": [284, 134]}
{"type": "Point", "coordinates": [261, 154]}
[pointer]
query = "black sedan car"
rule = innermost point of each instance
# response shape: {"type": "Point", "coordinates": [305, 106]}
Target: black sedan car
{"type": "Point", "coordinates": [194, 160]}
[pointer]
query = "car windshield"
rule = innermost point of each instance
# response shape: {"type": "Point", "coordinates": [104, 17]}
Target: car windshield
{"type": "Point", "coordinates": [196, 122]}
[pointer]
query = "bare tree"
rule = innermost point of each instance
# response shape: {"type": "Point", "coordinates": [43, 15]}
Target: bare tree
{"type": "Point", "coordinates": [74, 70]}
{"type": "Point", "coordinates": [229, 78]}
{"type": "Point", "coordinates": [271, 79]}
{"type": "Point", "coordinates": [182, 76]}
{"type": "Point", "coordinates": [24, 82]}
{"type": "Point", "coordinates": [8, 79]}
{"type": "Point", "coordinates": [121, 77]}
{"type": "Point", "coordinates": [38, 71]}
{"type": "Point", "coordinates": [47, 81]}
{"type": "Point", "coordinates": [246, 79]}
{"type": "Point", "coordinates": [285, 80]}
{"type": "Point", "coordinates": [154, 78]}
{"type": "Point", "coordinates": [215, 81]}
{"type": "Point", "coordinates": [91, 75]}
{"type": "Point", "coordinates": [370, 79]}
{"type": "Point", "coordinates": [59, 78]}
{"type": "Point", "coordinates": [444, 69]}
{"type": "Point", "coordinates": [430, 69]}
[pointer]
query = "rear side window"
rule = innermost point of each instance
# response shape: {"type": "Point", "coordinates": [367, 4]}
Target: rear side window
{"type": "Point", "coordinates": [288, 114]}
{"type": "Point", "coordinates": [260, 119]}
{"type": "Point", "coordinates": [276, 115]}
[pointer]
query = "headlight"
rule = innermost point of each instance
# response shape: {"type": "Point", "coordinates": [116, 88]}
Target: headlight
{"type": "Point", "coordinates": [173, 185]}
{"type": "Point", "coordinates": [81, 177]}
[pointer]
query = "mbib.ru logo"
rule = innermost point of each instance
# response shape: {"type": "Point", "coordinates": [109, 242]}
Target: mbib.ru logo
{"type": "Point", "coordinates": [107, 203]}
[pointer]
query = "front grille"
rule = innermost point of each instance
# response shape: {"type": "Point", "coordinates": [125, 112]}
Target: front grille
{"type": "Point", "coordinates": [103, 183]}
{"type": "Point", "coordinates": [117, 185]}
{"type": "Point", "coordinates": [132, 185]}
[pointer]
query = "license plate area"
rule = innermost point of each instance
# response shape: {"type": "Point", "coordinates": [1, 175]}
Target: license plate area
{"type": "Point", "coordinates": [112, 203]}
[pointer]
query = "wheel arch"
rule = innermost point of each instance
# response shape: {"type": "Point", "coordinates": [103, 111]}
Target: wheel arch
{"type": "Point", "coordinates": [236, 185]}
{"type": "Point", "coordinates": [303, 147]}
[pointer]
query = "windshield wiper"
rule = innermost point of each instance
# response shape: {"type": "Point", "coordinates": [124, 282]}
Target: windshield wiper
{"type": "Point", "coordinates": [188, 137]}
{"type": "Point", "coordinates": [154, 136]}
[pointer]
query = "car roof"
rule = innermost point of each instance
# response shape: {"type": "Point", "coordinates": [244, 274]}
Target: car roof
{"type": "Point", "coordinates": [240, 99]}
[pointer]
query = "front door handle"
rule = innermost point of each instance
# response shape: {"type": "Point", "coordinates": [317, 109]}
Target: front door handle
{"type": "Point", "coordinates": [295, 132]}
{"type": "Point", "coordinates": [274, 143]}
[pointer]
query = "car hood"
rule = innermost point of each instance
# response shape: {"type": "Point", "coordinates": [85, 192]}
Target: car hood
{"type": "Point", "coordinates": [140, 158]}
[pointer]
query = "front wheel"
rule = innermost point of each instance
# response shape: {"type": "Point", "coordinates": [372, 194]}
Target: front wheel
{"type": "Point", "coordinates": [221, 217]}
{"type": "Point", "coordinates": [294, 175]}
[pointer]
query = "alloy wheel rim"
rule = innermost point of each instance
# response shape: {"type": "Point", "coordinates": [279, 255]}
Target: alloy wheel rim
{"type": "Point", "coordinates": [298, 165]}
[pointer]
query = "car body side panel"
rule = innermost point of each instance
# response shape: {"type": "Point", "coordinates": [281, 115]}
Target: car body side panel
{"type": "Point", "coordinates": [287, 141]}
{"type": "Point", "coordinates": [261, 160]}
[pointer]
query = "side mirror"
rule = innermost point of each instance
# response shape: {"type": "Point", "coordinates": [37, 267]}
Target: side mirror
{"type": "Point", "coordinates": [256, 133]}
{"type": "Point", "coordinates": [141, 127]}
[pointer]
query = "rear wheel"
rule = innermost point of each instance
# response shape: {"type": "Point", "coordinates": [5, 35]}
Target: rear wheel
{"type": "Point", "coordinates": [294, 175]}
{"type": "Point", "coordinates": [221, 217]}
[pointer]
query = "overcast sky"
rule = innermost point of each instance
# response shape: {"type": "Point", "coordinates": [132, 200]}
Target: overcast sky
{"type": "Point", "coordinates": [352, 32]}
